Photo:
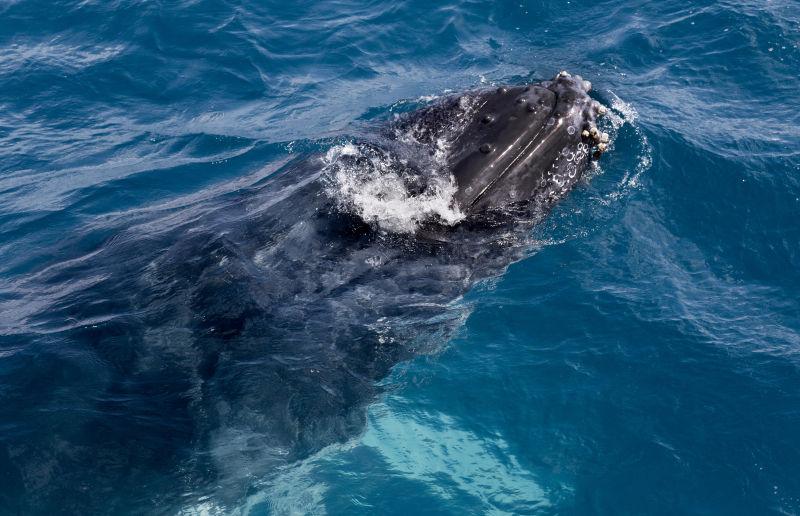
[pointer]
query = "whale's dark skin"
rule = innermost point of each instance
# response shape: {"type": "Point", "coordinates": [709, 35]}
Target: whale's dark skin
{"type": "Point", "coordinates": [199, 349]}
{"type": "Point", "coordinates": [522, 145]}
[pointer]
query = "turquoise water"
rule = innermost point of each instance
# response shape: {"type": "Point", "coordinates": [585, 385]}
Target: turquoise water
{"type": "Point", "coordinates": [638, 353]}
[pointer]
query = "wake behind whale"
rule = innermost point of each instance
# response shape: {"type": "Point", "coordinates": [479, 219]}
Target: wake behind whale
{"type": "Point", "coordinates": [251, 332]}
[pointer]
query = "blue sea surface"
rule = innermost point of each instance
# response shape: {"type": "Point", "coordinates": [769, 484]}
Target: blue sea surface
{"type": "Point", "coordinates": [641, 356]}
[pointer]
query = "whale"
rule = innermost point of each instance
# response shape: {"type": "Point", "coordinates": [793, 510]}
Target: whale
{"type": "Point", "coordinates": [200, 349]}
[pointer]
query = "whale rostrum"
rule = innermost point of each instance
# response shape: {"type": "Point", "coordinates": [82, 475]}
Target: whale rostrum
{"type": "Point", "coordinates": [522, 143]}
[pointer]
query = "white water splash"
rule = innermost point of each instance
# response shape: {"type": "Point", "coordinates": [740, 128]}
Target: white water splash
{"type": "Point", "coordinates": [370, 183]}
{"type": "Point", "coordinates": [622, 113]}
{"type": "Point", "coordinates": [374, 184]}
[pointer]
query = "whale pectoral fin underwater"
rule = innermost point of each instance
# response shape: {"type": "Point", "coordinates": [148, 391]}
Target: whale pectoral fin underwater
{"type": "Point", "coordinates": [526, 143]}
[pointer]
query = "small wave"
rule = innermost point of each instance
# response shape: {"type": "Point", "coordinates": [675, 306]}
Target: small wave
{"type": "Point", "coordinates": [66, 57]}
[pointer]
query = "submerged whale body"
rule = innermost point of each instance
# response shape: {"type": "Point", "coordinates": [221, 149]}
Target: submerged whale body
{"type": "Point", "coordinates": [203, 348]}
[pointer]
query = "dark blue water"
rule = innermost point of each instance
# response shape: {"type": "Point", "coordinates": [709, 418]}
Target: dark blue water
{"type": "Point", "coordinates": [638, 353]}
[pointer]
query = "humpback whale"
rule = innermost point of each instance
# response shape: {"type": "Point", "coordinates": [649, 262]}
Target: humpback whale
{"type": "Point", "coordinates": [203, 347]}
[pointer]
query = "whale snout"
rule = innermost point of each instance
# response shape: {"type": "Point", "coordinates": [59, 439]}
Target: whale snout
{"type": "Point", "coordinates": [574, 81]}
{"type": "Point", "coordinates": [580, 110]}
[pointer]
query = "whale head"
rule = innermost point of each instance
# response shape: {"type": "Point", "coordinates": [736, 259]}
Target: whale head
{"type": "Point", "coordinates": [526, 143]}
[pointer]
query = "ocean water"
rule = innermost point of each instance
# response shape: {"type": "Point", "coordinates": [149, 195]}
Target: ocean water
{"type": "Point", "coordinates": [635, 352]}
